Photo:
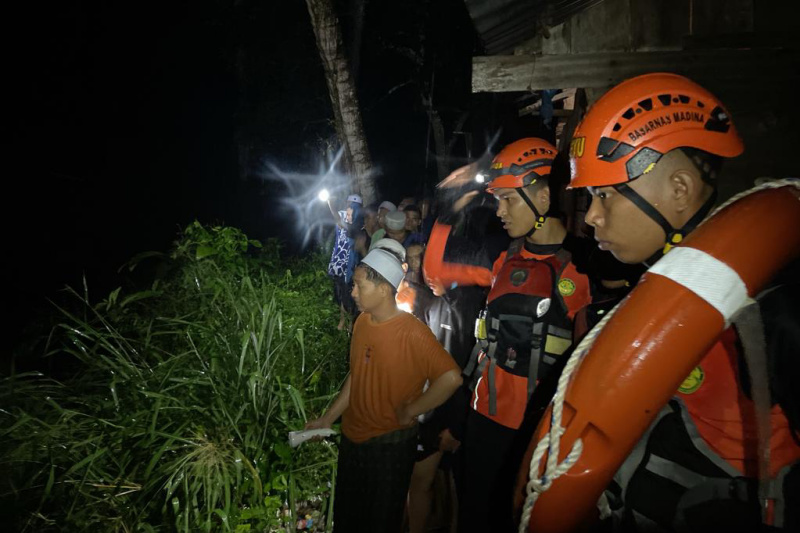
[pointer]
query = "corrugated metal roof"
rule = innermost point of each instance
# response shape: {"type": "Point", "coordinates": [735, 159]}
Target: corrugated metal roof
{"type": "Point", "coordinates": [504, 24]}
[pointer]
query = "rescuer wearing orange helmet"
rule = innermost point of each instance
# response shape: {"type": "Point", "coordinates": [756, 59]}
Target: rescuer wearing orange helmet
{"type": "Point", "coordinates": [649, 151]}
{"type": "Point", "coordinates": [527, 325]}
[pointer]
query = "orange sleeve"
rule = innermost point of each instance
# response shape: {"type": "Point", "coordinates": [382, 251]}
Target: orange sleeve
{"type": "Point", "coordinates": [498, 264]}
{"type": "Point", "coordinates": [435, 266]}
{"type": "Point", "coordinates": [574, 288]}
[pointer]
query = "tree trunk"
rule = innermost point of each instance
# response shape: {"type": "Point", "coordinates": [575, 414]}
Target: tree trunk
{"type": "Point", "coordinates": [344, 101]}
{"type": "Point", "coordinates": [439, 143]}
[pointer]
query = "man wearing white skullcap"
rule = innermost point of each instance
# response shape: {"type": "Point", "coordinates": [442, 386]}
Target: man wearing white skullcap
{"type": "Point", "coordinates": [384, 207]}
{"type": "Point", "coordinates": [391, 245]}
{"type": "Point", "coordinates": [387, 205]}
{"type": "Point", "coordinates": [392, 356]}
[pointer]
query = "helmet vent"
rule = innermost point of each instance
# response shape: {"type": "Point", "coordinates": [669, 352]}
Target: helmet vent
{"type": "Point", "coordinates": [683, 98]}
{"type": "Point", "coordinates": [629, 114]}
{"type": "Point", "coordinates": [700, 104]}
{"type": "Point", "coordinates": [610, 150]}
{"type": "Point", "coordinates": [617, 126]}
{"type": "Point", "coordinates": [666, 99]}
{"type": "Point", "coordinates": [647, 105]}
{"type": "Point", "coordinates": [641, 162]}
{"type": "Point", "coordinates": [718, 121]}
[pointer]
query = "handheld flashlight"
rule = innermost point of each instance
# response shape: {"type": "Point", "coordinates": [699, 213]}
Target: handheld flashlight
{"type": "Point", "coordinates": [479, 177]}
{"type": "Point", "coordinates": [324, 195]}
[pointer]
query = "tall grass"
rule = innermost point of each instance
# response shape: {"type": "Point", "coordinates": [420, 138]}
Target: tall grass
{"type": "Point", "coordinates": [177, 415]}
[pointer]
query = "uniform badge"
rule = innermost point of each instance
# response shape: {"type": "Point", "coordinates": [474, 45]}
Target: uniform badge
{"type": "Point", "coordinates": [693, 381]}
{"type": "Point", "coordinates": [566, 287]}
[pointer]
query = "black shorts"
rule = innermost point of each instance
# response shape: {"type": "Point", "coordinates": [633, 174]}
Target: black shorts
{"type": "Point", "coordinates": [428, 442]}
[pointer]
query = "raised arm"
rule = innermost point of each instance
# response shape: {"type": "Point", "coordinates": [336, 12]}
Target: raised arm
{"type": "Point", "coordinates": [336, 218]}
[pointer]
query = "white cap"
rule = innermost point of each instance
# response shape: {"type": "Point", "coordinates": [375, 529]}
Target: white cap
{"type": "Point", "coordinates": [395, 220]}
{"type": "Point", "coordinates": [391, 245]}
{"type": "Point", "coordinates": [354, 198]}
{"type": "Point", "coordinates": [385, 264]}
{"type": "Point", "coordinates": [386, 204]}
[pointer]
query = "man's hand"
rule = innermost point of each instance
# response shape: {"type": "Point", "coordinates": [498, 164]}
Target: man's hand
{"type": "Point", "coordinates": [460, 176]}
{"type": "Point", "coordinates": [462, 202]}
{"type": "Point", "coordinates": [447, 442]}
{"type": "Point", "coordinates": [319, 423]}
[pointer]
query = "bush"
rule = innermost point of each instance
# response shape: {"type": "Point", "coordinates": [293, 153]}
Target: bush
{"type": "Point", "coordinates": [177, 419]}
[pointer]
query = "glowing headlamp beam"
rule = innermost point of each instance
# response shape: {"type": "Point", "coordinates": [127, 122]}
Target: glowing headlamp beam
{"type": "Point", "coordinates": [324, 195]}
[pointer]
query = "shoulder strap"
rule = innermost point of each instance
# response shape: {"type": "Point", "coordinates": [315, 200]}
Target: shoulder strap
{"type": "Point", "coordinates": [564, 257]}
{"type": "Point", "coordinates": [515, 248]}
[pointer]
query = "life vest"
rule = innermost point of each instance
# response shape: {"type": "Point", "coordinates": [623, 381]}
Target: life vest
{"type": "Point", "coordinates": [524, 328]}
{"type": "Point", "coordinates": [697, 459]}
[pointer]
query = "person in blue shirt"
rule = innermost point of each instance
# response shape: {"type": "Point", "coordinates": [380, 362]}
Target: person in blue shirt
{"type": "Point", "coordinates": [344, 256]}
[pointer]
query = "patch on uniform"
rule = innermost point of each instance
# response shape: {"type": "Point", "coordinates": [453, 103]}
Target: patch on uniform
{"type": "Point", "coordinates": [566, 287]}
{"type": "Point", "coordinates": [693, 381]}
{"type": "Point", "coordinates": [518, 276]}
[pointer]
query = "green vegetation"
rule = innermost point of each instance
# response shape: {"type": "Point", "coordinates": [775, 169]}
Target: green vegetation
{"type": "Point", "coordinates": [176, 415]}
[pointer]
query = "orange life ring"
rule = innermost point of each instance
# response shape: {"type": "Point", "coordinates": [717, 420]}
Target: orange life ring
{"type": "Point", "coordinates": [654, 340]}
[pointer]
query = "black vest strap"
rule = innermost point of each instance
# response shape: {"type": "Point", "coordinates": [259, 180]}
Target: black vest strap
{"type": "Point", "coordinates": [480, 346]}
{"type": "Point", "coordinates": [492, 386]}
{"type": "Point", "coordinates": [537, 347]}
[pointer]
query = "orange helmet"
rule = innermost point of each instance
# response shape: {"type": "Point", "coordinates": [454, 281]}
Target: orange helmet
{"type": "Point", "coordinates": [520, 163]}
{"type": "Point", "coordinates": [627, 131]}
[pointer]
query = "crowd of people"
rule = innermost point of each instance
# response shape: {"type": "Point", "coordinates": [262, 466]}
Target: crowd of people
{"type": "Point", "coordinates": [462, 321]}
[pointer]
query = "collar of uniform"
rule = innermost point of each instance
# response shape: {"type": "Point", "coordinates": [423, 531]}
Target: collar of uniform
{"type": "Point", "coordinates": [542, 249]}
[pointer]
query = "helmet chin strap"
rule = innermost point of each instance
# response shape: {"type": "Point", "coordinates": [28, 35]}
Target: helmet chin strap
{"type": "Point", "coordinates": [674, 236]}
{"type": "Point", "coordinates": [539, 218]}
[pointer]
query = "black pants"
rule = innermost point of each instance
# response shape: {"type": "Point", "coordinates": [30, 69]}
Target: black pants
{"type": "Point", "coordinates": [372, 482]}
{"type": "Point", "coordinates": [493, 456]}
{"type": "Point", "coordinates": [485, 502]}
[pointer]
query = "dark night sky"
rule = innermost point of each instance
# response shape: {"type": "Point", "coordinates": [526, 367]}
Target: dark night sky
{"type": "Point", "coordinates": [128, 117]}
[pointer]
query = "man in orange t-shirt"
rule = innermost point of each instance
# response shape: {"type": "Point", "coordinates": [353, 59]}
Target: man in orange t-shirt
{"type": "Point", "coordinates": [392, 356]}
